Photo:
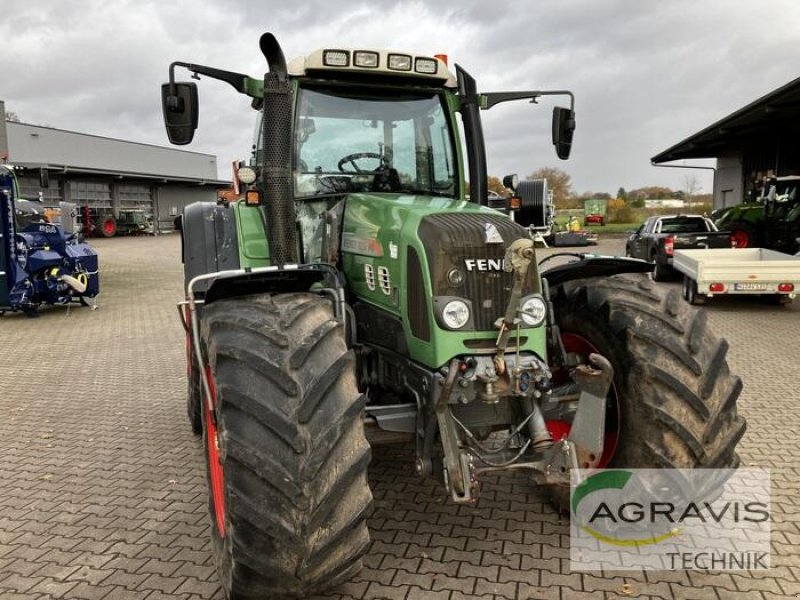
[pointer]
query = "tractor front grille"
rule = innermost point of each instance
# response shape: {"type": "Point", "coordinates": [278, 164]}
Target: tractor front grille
{"type": "Point", "coordinates": [466, 242]}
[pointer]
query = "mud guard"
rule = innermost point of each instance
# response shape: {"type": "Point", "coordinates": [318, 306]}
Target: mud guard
{"type": "Point", "coordinates": [592, 265]}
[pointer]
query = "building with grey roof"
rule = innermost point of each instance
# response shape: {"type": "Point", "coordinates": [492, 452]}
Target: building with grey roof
{"type": "Point", "coordinates": [106, 175]}
{"type": "Point", "coordinates": [757, 140]}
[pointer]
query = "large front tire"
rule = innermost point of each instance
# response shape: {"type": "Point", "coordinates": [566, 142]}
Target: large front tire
{"type": "Point", "coordinates": [290, 497]}
{"type": "Point", "coordinates": [675, 396]}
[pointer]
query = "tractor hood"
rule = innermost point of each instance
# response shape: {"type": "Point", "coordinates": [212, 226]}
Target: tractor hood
{"type": "Point", "coordinates": [410, 255]}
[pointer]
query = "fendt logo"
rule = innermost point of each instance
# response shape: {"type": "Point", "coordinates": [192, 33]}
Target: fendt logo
{"type": "Point", "coordinates": [484, 264]}
{"type": "Point", "coordinates": [618, 509]}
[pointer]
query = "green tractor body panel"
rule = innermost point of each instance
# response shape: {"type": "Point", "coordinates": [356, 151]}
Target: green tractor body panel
{"type": "Point", "coordinates": [381, 237]}
{"type": "Point", "coordinates": [378, 230]}
{"type": "Point", "coordinates": [253, 245]}
{"type": "Point", "coordinates": [747, 213]}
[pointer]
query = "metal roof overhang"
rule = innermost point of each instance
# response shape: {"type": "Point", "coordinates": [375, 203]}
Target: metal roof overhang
{"type": "Point", "coordinates": [86, 171]}
{"type": "Point", "coordinates": [777, 112]}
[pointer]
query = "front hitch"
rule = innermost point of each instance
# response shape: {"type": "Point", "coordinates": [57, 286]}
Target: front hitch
{"type": "Point", "coordinates": [518, 258]}
{"type": "Point", "coordinates": [583, 447]}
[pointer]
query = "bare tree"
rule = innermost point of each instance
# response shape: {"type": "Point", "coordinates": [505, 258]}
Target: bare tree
{"type": "Point", "coordinates": [12, 116]}
{"type": "Point", "coordinates": [691, 186]}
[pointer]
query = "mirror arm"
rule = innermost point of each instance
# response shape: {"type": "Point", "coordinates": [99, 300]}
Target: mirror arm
{"type": "Point", "coordinates": [237, 80]}
{"type": "Point", "coordinates": [487, 101]}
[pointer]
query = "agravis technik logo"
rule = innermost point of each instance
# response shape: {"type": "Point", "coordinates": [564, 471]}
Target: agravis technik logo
{"type": "Point", "coordinates": [627, 512]}
{"type": "Point", "coordinates": [667, 518]}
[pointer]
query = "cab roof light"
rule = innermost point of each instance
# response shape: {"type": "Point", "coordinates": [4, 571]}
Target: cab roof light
{"type": "Point", "coordinates": [365, 60]}
{"type": "Point", "coordinates": [427, 66]}
{"type": "Point", "coordinates": [441, 57]}
{"type": "Point", "coordinates": [399, 62]}
{"type": "Point", "coordinates": [336, 58]}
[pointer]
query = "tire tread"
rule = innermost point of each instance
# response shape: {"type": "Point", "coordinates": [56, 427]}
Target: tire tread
{"type": "Point", "coordinates": [288, 408]}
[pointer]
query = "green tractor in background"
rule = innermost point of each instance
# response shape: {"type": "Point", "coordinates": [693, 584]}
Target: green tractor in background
{"type": "Point", "coordinates": [771, 220]}
{"type": "Point", "coordinates": [358, 293]}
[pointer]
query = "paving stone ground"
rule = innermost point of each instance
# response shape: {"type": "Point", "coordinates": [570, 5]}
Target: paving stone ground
{"type": "Point", "coordinates": [103, 493]}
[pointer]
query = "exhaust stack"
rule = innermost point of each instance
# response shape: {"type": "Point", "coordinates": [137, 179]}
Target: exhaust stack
{"type": "Point", "coordinates": [276, 166]}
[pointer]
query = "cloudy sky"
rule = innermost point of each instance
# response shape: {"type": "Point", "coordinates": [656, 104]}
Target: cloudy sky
{"type": "Point", "coordinates": [646, 74]}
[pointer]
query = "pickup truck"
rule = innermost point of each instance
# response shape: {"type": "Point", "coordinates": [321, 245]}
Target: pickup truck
{"type": "Point", "coordinates": [659, 237]}
{"type": "Point", "coordinates": [750, 271]}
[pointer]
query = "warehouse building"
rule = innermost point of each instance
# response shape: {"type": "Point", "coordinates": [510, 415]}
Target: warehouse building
{"type": "Point", "coordinates": [754, 142]}
{"type": "Point", "coordinates": [104, 175]}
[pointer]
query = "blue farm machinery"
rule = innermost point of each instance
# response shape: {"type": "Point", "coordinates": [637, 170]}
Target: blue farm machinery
{"type": "Point", "coordinates": [40, 263]}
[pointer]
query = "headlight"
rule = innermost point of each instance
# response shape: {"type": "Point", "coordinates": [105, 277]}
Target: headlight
{"type": "Point", "coordinates": [336, 58]}
{"type": "Point", "coordinates": [368, 60]}
{"type": "Point", "coordinates": [246, 175]}
{"type": "Point", "coordinates": [455, 276]}
{"type": "Point", "coordinates": [533, 310]}
{"type": "Point", "coordinates": [399, 62]}
{"type": "Point", "coordinates": [455, 314]}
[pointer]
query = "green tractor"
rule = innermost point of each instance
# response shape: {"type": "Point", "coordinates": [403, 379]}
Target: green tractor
{"type": "Point", "coordinates": [771, 220]}
{"type": "Point", "coordinates": [360, 293]}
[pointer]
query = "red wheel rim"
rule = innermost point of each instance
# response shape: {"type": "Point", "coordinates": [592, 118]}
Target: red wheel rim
{"type": "Point", "coordinates": [215, 474]}
{"type": "Point", "coordinates": [109, 227]}
{"type": "Point", "coordinates": [742, 238]}
{"type": "Point", "coordinates": [559, 429]}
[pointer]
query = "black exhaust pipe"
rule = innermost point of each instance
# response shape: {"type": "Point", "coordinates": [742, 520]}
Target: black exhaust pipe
{"type": "Point", "coordinates": [276, 165]}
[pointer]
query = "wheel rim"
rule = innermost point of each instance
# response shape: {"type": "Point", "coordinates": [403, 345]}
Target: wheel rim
{"type": "Point", "coordinates": [108, 227]}
{"type": "Point", "coordinates": [560, 429]}
{"type": "Point", "coordinates": [742, 238]}
{"type": "Point", "coordinates": [215, 472]}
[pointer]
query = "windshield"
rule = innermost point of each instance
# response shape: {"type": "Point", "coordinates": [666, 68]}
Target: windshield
{"type": "Point", "coordinates": [353, 142]}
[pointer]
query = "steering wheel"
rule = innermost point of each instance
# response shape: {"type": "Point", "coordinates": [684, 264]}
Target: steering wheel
{"type": "Point", "coordinates": [352, 158]}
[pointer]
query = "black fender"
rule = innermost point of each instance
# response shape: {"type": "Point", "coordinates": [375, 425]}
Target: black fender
{"type": "Point", "coordinates": [210, 244]}
{"type": "Point", "coordinates": [592, 265]}
{"type": "Point", "coordinates": [283, 280]}
{"type": "Point", "coordinates": [209, 241]}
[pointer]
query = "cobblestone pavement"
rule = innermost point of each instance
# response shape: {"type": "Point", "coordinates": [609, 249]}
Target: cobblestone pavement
{"type": "Point", "coordinates": [103, 492]}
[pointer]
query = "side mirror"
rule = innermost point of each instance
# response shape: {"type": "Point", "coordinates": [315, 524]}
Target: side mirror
{"type": "Point", "coordinates": [563, 128]}
{"type": "Point", "coordinates": [180, 105]}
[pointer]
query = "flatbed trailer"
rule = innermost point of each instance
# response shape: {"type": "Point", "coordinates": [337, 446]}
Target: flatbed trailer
{"type": "Point", "coordinates": [749, 271]}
